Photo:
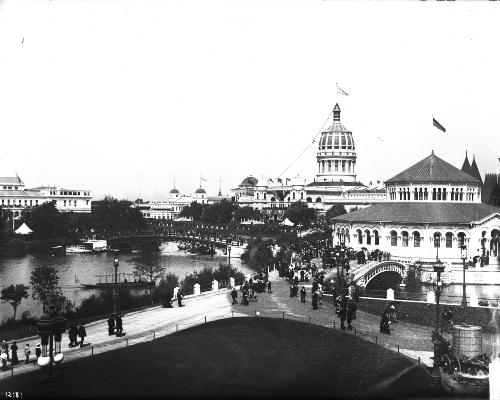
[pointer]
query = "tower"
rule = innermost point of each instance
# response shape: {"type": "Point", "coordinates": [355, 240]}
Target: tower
{"type": "Point", "coordinates": [466, 165]}
{"type": "Point", "coordinates": [336, 155]}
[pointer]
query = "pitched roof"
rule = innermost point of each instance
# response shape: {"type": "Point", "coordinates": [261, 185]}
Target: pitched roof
{"type": "Point", "coordinates": [421, 213]}
{"type": "Point", "coordinates": [474, 170]}
{"type": "Point", "coordinates": [10, 180]}
{"type": "Point", "coordinates": [433, 169]}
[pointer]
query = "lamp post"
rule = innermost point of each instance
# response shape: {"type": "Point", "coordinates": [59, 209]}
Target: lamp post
{"type": "Point", "coordinates": [229, 261]}
{"type": "Point", "coordinates": [116, 254]}
{"type": "Point", "coordinates": [50, 328]}
{"type": "Point", "coordinates": [463, 254]}
{"type": "Point", "coordinates": [436, 374]}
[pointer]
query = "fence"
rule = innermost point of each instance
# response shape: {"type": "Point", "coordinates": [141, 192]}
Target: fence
{"type": "Point", "coordinates": [361, 330]}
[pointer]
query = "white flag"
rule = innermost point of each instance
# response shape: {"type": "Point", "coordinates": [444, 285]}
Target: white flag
{"type": "Point", "coordinates": [340, 91]}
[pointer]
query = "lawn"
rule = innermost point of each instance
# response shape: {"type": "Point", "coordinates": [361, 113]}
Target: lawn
{"type": "Point", "coordinates": [239, 357]}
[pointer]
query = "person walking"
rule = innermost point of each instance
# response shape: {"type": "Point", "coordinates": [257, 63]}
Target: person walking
{"type": "Point", "coordinates": [5, 346]}
{"type": "Point", "coordinates": [3, 356]}
{"type": "Point", "coordinates": [27, 352]}
{"type": "Point", "coordinates": [350, 312]}
{"type": "Point", "coordinates": [269, 287]}
{"type": "Point", "coordinates": [234, 295]}
{"type": "Point", "coordinates": [315, 301]}
{"type": "Point", "coordinates": [13, 349]}
{"type": "Point", "coordinates": [179, 298]}
{"type": "Point", "coordinates": [82, 333]}
{"type": "Point", "coordinates": [303, 294]}
{"type": "Point", "coordinates": [119, 325]}
{"type": "Point", "coordinates": [384, 323]}
{"type": "Point", "coordinates": [73, 335]}
{"type": "Point", "coordinates": [111, 325]}
{"type": "Point", "coordinates": [38, 351]}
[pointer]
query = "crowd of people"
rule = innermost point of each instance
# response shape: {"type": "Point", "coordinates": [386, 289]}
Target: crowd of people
{"type": "Point", "coordinates": [12, 357]}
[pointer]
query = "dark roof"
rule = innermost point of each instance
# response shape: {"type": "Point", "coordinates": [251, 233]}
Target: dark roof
{"type": "Point", "coordinates": [474, 170]}
{"type": "Point", "coordinates": [466, 165]}
{"type": "Point", "coordinates": [489, 187]}
{"type": "Point", "coordinates": [174, 190]}
{"type": "Point", "coordinates": [421, 213]}
{"type": "Point", "coordinates": [334, 183]}
{"type": "Point", "coordinates": [249, 181]}
{"type": "Point", "coordinates": [433, 169]}
{"type": "Point", "coordinates": [200, 190]}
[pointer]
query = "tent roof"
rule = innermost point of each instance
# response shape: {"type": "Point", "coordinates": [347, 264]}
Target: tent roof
{"type": "Point", "coordinates": [23, 230]}
{"type": "Point", "coordinates": [287, 222]}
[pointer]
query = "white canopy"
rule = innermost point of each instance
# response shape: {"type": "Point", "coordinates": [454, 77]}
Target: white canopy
{"type": "Point", "coordinates": [287, 222]}
{"type": "Point", "coordinates": [23, 230]}
{"type": "Point", "coordinates": [183, 219]}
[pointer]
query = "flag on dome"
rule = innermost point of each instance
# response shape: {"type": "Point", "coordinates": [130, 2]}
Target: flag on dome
{"type": "Point", "coordinates": [340, 91]}
{"type": "Point", "coordinates": [202, 179]}
{"type": "Point", "coordinates": [438, 125]}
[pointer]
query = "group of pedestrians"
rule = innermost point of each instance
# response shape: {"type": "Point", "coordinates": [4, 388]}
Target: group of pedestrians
{"type": "Point", "coordinates": [12, 357]}
{"type": "Point", "coordinates": [115, 323]}
{"type": "Point", "coordinates": [77, 331]}
{"type": "Point", "coordinates": [345, 308]}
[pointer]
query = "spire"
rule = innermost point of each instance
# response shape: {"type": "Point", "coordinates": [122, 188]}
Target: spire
{"type": "Point", "coordinates": [336, 113]}
{"type": "Point", "coordinates": [466, 165]}
{"type": "Point", "coordinates": [220, 186]}
{"type": "Point", "coordinates": [474, 170]}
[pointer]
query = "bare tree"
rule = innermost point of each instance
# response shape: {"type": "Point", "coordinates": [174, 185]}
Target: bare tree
{"type": "Point", "coordinates": [150, 272]}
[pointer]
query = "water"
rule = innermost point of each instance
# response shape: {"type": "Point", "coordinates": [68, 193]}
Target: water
{"type": "Point", "coordinates": [86, 266]}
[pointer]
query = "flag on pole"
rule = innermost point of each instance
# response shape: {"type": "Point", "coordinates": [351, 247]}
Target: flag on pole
{"type": "Point", "coordinates": [279, 180]}
{"type": "Point", "coordinates": [438, 125]}
{"type": "Point", "coordinates": [270, 180]}
{"type": "Point", "coordinates": [340, 91]}
{"type": "Point", "coordinates": [202, 179]}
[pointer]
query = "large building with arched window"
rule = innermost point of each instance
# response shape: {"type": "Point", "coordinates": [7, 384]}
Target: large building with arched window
{"type": "Point", "coordinates": [335, 180]}
{"type": "Point", "coordinates": [432, 209]}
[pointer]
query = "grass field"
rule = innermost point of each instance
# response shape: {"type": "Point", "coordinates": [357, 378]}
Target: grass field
{"type": "Point", "coordinates": [238, 358]}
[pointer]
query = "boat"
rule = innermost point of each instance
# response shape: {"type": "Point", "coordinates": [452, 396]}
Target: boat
{"type": "Point", "coordinates": [89, 246]}
{"type": "Point", "coordinates": [122, 282]}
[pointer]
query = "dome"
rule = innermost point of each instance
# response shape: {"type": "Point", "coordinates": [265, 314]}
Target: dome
{"type": "Point", "coordinates": [200, 190]}
{"type": "Point", "coordinates": [174, 191]}
{"type": "Point", "coordinates": [336, 137]}
{"type": "Point", "coordinates": [249, 181]}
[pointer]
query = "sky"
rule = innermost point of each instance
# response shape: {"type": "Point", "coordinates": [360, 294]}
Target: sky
{"type": "Point", "coordinates": [120, 97]}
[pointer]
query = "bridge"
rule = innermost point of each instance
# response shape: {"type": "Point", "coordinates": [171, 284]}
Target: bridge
{"type": "Point", "coordinates": [363, 274]}
{"type": "Point", "coordinates": [152, 240]}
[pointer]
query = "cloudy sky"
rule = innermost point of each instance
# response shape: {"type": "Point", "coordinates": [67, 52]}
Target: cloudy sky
{"type": "Point", "coordinates": [121, 96]}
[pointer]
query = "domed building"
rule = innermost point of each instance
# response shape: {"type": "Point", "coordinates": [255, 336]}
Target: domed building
{"type": "Point", "coordinates": [335, 180]}
{"type": "Point", "coordinates": [432, 210]}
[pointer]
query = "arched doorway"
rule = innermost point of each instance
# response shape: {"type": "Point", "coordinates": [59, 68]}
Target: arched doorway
{"type": "Point", "coordinates": [495, 236]}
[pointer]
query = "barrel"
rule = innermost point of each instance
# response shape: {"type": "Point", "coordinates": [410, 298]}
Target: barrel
{"type": "Point", "coordinates": [467, 341]}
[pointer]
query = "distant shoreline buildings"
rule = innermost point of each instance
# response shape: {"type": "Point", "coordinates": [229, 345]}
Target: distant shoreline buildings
{"type": "Point", "coordinates": [15, 197]}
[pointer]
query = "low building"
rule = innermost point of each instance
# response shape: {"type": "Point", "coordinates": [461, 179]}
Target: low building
{"type": "Point", "coordinates": [14, 196]}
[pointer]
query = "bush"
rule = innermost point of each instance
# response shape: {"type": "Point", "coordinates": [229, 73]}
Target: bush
{"type": "Point", "coordinates": [205, 277]}
{"type": "Point", "coordinates": [165, 289]}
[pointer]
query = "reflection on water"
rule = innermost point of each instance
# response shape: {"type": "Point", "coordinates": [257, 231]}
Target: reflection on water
{"type": "Point", "coordinates": [85, 267]}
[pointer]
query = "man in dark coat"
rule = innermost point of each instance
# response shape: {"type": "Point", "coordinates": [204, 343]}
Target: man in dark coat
{"type": "Point", "coordinates": [342, 311]}
{"type": "Point", "coordinates": [234, 295]}
{"type": "Point", "coordinates": [111, 325]}
{"type": "Point", "coordinates": [82, 333]}
{"type": "Point", "coordinates": [73, 335]}
{"type": "Point", "coordinates": [119, 325]}
{"type": "Point", "coordinates": [384, 323]}
{"type": "Point", "coordinates": [303, 295]}
{"type": "Point", "coordinates": [350, 312]}
{"type": "Point", "coordinates": [269, 287]}
{"type": "Point", "coordinates": [13, 349]}
{"type": "Point", "coordinates": [179, 298]}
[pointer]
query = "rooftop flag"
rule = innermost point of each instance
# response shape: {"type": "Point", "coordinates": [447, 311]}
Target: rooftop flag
{"type": "Point", "coordinates": [438, 125]}
{"type": "Point", "coordinates": [340, 91]}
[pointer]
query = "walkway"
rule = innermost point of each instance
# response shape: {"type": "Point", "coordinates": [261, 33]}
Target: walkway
{"type": "Point", "coordinates": [411, 339]}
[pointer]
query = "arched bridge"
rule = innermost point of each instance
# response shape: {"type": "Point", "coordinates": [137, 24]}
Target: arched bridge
{"type": "Point", "coordinates": [153, 240]}
{"type": "Point", "coordinates": [365, 273]}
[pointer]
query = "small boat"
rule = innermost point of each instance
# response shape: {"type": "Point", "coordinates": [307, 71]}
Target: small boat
{"type": "Point", "coordinates": [79, 248]}
{"type": "Point", "coordinates": [89, 246]}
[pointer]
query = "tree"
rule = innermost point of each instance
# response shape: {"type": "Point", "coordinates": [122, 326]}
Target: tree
{"type": "Point", "coordinates": [151, 272]}
{"type": "Point", "coordinates": [45, 285]}
{"type": "Point", "coordinates": [166, 286]}
{"type": "Point", "coordinates": [220, 212]}
{"type": "Point", "coordinates": [300, 214]}
{"type": "Point", "coordinates": [194, 210]}
{"type": "Point", "coordinates": [334, 211]}
{"type": "Point", "coordinates": [46, 221]}
{"type": "Point", "coordinates": [246, 212]}
{"type": "Point", "coordinates": [14, 295]}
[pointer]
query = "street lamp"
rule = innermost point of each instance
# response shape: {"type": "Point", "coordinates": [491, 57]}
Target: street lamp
{"type": "Point", "coordinates": [438, 268]}
{"type": "Point", "coordinates": [50, 328]}
{"type": "Point", "coordinates": [116, 254]}
{"type": "Point", "coordinates": [229, 262]}
{"type": "Point", "coordinates": [463, 255]}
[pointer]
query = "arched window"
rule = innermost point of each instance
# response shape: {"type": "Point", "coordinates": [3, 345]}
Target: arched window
{"type": "Point", "coordinates": [375, 235]}
{"type": "Point", "coordinates": [309, 200]}
{"type": "Point", "coordinates": [415, 194]}
{"type": "Point", "coordinates": [336, 166]}
{"type": "Point", "coordinates": [265, 196]}
{"type": "Point", "coordinates": [461, 239]}
{"type": "Point", "coordinates": [449, 240]}
{"type": "Point", "coordinates": [293, 195]}
{"type": "Point", "coordinates": [368, 237]}
{"type": "Point", "coordinates": [434, 194]}
{"type": "Point", "coordinates": [437, 239]}
{"type": "Point", "coordinates": [416, 239]}
{"type": "Point", "coordinates": [404, 239]}
{"type": "Point", "coordinates": [439, 194]}
{"type": "Point", "coordinates": [444, 194]}
{"type": "Point", "coordinates": [360, 236]}
{"type": "Point", "coordinates": [318, 200]}
{"type": "Point", "coordinates": [343, 166]}
{"type": "Point", "coordinates": [342, 235]}
{"type": "Point", "coordinates": [329, 166]}
{"type": "Point", "coordinates": [452, 195]}
{"type": "Point", "coordinates": [426, 195]}
{"type": "Point", "coordinates": [394, 238]}
{"type": "Point", "coordinates": [461, 195]}
{"type": "Point", "coordinates": [257, 195]}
